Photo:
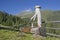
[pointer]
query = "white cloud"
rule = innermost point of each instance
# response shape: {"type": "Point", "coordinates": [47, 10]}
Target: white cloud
{"type": "Point", "coordinates": [27, 10]}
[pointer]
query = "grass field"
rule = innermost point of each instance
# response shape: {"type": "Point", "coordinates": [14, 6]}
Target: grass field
{"type": "Point", "coordinates": [13, 35]}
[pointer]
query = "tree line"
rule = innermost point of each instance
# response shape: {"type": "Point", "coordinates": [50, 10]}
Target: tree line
{"type": "Point", "coordinates": [10, 20]}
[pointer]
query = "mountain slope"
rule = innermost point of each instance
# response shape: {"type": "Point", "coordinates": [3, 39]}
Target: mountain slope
{"type": "Point", "coordinates": [46, 15]}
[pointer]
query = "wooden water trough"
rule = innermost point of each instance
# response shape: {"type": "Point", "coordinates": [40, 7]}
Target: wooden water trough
{"type": "Point", "coordinates": [25, 29]}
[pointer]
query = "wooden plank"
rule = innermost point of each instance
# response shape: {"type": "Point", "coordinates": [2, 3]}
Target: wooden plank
{"type": "Point", "coordinates": [50, 34]}
{"type": "Point", "coordinates": [52, 21]}
{"type": "Point", "coordinates": [52, 28]}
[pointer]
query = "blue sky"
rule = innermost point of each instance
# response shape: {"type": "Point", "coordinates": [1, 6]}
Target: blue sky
{"type": "Point", "coordinates": [17, 6]}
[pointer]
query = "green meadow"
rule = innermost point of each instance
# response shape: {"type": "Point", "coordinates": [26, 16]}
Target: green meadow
{"type": "Point", "coordinates": [14, 35]}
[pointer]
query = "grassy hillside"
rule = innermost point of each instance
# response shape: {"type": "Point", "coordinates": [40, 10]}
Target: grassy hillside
{"type": "Point", "coordinates": [25, 14]}
{"type": "Point", "coordinates": [46, 15]}
{"type": "Point", "coordinates": [55, 16]}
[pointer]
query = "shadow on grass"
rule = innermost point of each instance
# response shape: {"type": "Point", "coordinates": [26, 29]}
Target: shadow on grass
{"type": "Point", "coordinates": [21, 35]}
{"type": "Point", "coordinates": [10, 29]}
